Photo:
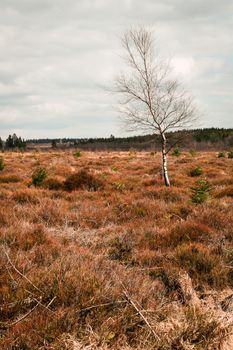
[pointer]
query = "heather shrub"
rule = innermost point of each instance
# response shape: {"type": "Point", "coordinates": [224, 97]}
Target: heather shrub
{"type": "Point", "coordinates": [226, 192]}
{"type": "Point", "coordinates": [201, 265]}
{"type": "Point", "coordinates": [82, 180]}
{"type": "Point", "coordinates": [53, 184]}
{"type": "Point", "coordinates": [23, 196]}
{"type": "Point", "coordinates": [28, 238]}
{"type": "Point", "coordinates": [196, 171]}
{"type": "Point", "coordinates": [189, 231]}
{"type": "Point", "coordinates": [4, 217]}
{"type": "Point", "coordinates": [38, 176]}
{"type": "Point", "coordinates": [9, 179]}
{"type": "Point", "coordinates": [230, 154]}
{"type": "Point", "coordinates": [176, 152]}
{"type": "Point", "coordinates": [201, 192]}
{"type": "Point", "coordinates": [2, 164]}
{"type": "Point", "coordinates": [221, 155]}
{"type": "Point", "coordinates": [121, 249]}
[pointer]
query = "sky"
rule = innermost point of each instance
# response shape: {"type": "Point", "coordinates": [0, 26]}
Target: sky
{"type": "Point", "coordinates": [59, 58]}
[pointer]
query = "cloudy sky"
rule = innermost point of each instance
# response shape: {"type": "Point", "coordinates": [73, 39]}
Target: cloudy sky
{"type": "Point", "coordinates": [58, 58]}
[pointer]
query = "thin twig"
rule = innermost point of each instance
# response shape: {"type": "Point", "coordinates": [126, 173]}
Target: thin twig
{"type": "Point", "coordinates": [24, 316]}
{"type": "Point", "coordinates": [102, 305]}
{"type": "Point", "coordinates": [141, 314]}
{"type": "Point", "coordinates": [20, 273]}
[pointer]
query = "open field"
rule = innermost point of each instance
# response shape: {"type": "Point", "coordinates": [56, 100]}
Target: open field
{"type": "Point", "coordinates": [122, 262]}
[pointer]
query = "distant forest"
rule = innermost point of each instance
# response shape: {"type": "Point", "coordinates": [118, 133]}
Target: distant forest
{"type": "Point", "coordinates": [200, 139]}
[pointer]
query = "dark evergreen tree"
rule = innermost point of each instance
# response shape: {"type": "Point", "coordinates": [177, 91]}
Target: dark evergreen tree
{"type": "Point", "coordinates": [54, 144]}
{"type": "Point", "coordinates": [9, 142]}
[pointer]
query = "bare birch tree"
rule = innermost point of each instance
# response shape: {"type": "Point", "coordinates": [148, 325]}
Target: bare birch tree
{"type": "Point", "coordinates": [152, 101]}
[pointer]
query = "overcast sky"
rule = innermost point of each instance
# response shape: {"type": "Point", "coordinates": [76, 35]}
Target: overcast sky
{"type": "Point", "coordinates": [58, 56]}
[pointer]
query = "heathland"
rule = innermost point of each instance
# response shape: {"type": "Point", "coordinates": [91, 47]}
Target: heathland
{"type": "Point", "coordinates": [96, 253]}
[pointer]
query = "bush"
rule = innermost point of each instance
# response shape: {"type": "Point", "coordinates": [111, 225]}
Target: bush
{"type": "Point", "coordinates": [121, 249]}
{"type": "Point", "coordinates": [82, 180]}
{"type": "Point", "coordinates": [176, 152]}
{"type": "Point", "coordinates": [196, 171]}
{"type": "Point", "coordinates": [201, 264]}
{"type": "Point", "coordinates": [9, 179]}
{"type": "Point", "coordinates": [2, 164]}
{"type": "Point", "coordinates": [189, 231]}
{"type": "Point", "coordinates": [201, 192]}
{"type": "Point", "coordinates": [53, 184]}
{"type": "Point", "coordinates": [77, 154]}
{"type": "Point", "coordinates": [230, 155]}
{"type": "Point", "coordinates": [23, 196]}
{"type": "Point", "coordinates": [38, 176]}
{"type": "Point", "coordinates": [221, 155]}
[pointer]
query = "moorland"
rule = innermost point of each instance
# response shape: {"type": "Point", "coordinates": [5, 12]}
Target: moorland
{"type": "Point", "coordinates": [97, 253]}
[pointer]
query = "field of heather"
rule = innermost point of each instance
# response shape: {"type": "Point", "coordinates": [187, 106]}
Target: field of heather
{"type": "Point", "coordinates": [101, 255]}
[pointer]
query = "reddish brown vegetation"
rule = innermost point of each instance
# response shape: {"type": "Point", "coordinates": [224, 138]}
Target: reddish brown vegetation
{"type": "Point", "coordinates": [93, 258]}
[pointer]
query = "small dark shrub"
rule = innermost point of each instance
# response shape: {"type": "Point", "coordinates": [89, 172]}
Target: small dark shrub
{"type": "Point", "coordinates": [221, 155]}
{"type": "Point", "coordinates": [121, 249]}
{"type": "Point", "coordinates": [38, 176]}
{"type": "Point", "coordinates": [9, 178]}
{"type": "Point", "coordinates": [196, 171]}
{"type": "Point", "coordinates": [82, 180]}
{"type": "Point", "coordinates": [176, 152]}
{"type": "Point", "coordinates": [77, 154]}
{"type": "Point", "coordinates": [2, 164]}
{"type": "Point", "coordinates": [230, 154]}
{"type": "Point", "coordinates": [201, 192]}
{"type": "Point", "coordinates": [53, 184]}
{"type": "Point", "coordinates": [201, 264]}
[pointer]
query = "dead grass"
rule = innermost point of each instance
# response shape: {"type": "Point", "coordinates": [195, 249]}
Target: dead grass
{"type": "Point", "coordinates": [93, 258]}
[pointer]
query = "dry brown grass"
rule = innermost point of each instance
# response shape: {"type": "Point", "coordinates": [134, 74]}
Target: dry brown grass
{"type": "Point", "coordinates": [92, 258]}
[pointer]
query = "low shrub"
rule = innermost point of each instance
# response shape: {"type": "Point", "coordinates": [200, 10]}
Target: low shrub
{"type": "Point", "coordinates": [201, 192]}
{"type": "Point", "coordinates": [53, 184]}
{"type": "Point", "coordinates": [82, 180]}
{"type": "Point", "coordinates": [24, 196]}
{"type": "Point", "coordinates": [2, 164]}
{"type": "Point", "coordinates": [189, 231]}
{"type": "Point", "coordinates": [176, 152]}
{"type": "Point", "coordinates": [201, 264]}
{"type": "Point", "coordinates": [121, 249]}
{"type": "Point", "coordinates": [9, 178]}
{"type": "Point", "coordinates": [226, 192]}
{"type": "Point", "coordinates": [196, 171]}
{"type": "Point", "coordinates": [38, 176]}
{"type": "Point", "coordinates": [221, 155]}
{"type": "Point", "coordinates": [230, 154]}
{"type": "Point", "coordinates": [77, 154]}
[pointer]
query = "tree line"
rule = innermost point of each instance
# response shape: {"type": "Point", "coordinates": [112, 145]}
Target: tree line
{"type": "Point", "coordinates": [13, 142]}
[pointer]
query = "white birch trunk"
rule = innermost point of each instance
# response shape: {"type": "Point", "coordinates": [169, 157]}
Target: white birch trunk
{"type": "Point", "coordinates": [164, 160]}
